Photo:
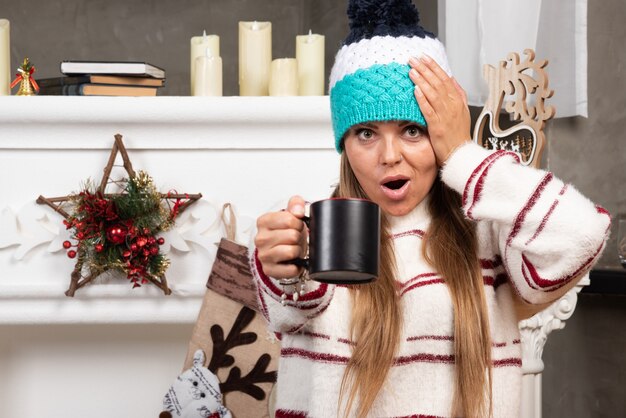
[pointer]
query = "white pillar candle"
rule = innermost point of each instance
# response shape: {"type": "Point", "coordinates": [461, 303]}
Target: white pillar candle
{"type": "Point", "coordinates": [310, 56]}
{"type": "Point", "coordinates": [208, 75]}
{"type": "Point", "coordinates": [5, 57]}
{"type": "Point", "coordinates": [284, 77]}
{"type": "Point", "coordinates": [255, 58]}
{"type": "Point", "coordinates": [199, 44]}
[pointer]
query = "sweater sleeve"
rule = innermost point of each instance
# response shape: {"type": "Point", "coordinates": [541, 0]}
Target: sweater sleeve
{"type": "Point", "coordinates": [548, 235]}
{"type": "Point", "coordinates": [288, 315]}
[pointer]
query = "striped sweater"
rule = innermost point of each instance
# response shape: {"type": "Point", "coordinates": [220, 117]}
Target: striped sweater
{"type": "Point", "coordinates": [536, 236]}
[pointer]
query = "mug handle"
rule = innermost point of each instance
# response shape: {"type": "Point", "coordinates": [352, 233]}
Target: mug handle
{"type": "Point", "coordinates": [303, 262]}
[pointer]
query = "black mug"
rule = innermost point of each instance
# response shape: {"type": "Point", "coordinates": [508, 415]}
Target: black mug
{"type": "Point", "coordinates": [344, 241]}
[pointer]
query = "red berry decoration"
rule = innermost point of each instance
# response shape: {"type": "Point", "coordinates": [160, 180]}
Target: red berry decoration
{"type": "Point", "coordinates": [67, 244]}
{"type": "Point", "coordinates": [71, 253]}
{"type": "Point", "coordinates": [133, 247]}
{"type": "Point", "coordinates": [161, 241]}
{"type": "Point", "coordinates": [99, 248]}
{"type": "Point", "coordinates": [117, 234]}
{"type": "Point", "coordinates": [154, 250]}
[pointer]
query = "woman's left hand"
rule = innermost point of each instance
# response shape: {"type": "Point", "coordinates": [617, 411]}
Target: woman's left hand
{"type": "Point", "coordinates": [444, 105]}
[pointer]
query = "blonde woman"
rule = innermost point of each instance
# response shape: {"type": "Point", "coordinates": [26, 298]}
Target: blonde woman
{"type": "Point", "coordinates": [468, 238]}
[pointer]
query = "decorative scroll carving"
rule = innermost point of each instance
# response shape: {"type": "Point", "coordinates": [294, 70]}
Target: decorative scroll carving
{"type": "Point", "coordinates": [535, 330]}
{"type": "Point", "coordinates": [32, 227]}
{"type": "Point", "coordinates": [511, 78]}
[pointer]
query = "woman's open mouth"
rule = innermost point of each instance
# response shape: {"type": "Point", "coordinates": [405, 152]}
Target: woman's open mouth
{"type": "Point", "coordinates": [395, 188]}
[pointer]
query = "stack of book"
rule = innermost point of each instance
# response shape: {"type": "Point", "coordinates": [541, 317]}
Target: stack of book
{"type": "Point", "coordinates": [102, 78]}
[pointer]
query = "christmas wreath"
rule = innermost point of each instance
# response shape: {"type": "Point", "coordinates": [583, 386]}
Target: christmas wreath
{"type": "Point", "coordinates": [120, 231]}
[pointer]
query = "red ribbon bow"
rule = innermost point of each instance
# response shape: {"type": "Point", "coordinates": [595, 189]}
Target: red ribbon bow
{"type": "Point", "coordinates": [20, 76]}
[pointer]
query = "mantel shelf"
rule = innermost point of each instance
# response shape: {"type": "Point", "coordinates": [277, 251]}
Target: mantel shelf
{"type": "Point", "coordinates": [130, 115]}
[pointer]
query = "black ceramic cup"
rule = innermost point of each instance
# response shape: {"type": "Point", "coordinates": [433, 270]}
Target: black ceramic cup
{"type": "Point", "coordinates": [344, 241]}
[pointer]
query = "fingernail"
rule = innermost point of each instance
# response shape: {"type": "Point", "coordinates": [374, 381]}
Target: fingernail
{"type": "Point", "coordinates": [414, 74]}
{"type": "Point", "coordinates": [418, 91]}
{"type": "Point", "coordinates": [298, 210]}
{"type": "Point", "coordinates": [413, 61]}
{"type": "Point", "coordinates": [426, 58]}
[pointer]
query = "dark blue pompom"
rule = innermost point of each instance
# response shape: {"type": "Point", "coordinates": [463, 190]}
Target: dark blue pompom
{"type": "Point", "coordinates": [369, 18]}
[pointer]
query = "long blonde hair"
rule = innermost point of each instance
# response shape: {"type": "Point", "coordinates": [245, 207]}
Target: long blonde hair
{"type": "Point", "coordinates": [451, 248]}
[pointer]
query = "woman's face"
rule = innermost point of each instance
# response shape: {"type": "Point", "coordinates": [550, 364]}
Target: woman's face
{"type": "Point", "coordinates": [393, 162]}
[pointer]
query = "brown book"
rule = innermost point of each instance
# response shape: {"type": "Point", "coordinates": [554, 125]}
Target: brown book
{"type": "Point", "coordinates": [110, 90]}
{"type": "Point", "coordinates": [127, 81]}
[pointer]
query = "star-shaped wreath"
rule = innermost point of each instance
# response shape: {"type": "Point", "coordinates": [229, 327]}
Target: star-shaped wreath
{"type": "Point", "coordinates": [119, 231]}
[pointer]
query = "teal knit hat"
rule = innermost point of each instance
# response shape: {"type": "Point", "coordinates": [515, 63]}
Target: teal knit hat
{"type": "Point", "coordinates": [370, 80]}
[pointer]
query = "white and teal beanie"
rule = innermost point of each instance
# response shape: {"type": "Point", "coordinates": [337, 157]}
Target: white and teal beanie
{"type": "Point", "coordinates": [370, 80]}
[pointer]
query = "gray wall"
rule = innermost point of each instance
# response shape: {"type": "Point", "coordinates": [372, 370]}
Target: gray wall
{"type": "Point", "coordinates": [158, 31]}
{"type": "Point", "coordinates": [585, 363]}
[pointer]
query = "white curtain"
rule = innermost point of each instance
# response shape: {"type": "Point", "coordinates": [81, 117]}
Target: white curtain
{"type": "Point", "coordinates": [478, 32]}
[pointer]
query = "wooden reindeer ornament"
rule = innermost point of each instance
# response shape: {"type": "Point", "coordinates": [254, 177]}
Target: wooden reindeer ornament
{"type": "Point", "coordinates": [512, 78]}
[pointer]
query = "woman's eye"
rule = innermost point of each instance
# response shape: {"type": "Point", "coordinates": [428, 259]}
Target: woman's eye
{"type": "Point", "coordinates": [413, 131]}
{"type": "Point", "coordinates": [365, 134]}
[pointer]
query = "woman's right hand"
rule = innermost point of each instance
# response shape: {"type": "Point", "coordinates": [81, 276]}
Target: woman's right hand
{"type": "Point", "coordinates": [282, 236]}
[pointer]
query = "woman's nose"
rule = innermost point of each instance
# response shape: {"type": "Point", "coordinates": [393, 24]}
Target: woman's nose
{"type": "Point", "coordinates": [391, 153]}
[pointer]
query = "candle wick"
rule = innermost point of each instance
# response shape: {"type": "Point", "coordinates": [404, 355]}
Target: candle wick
{"type": "Point", "coordinates": [310, 38]}
{"type": "Point", "coordinates": [204, 35]}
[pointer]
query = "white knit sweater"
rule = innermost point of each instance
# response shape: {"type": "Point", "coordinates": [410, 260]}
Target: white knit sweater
{"type": "Point", "coordinates": [536, 237]}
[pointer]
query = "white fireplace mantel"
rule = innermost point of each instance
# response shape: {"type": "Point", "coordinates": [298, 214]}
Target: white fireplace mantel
{"type": "Point", "coordinates": [252, 152]}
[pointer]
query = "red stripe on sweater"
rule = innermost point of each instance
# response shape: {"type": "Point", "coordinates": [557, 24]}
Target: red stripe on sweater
{"type": "Point", "coordinates": [543, 222]}
{"type": "Point", "coordinates": [543, 283]}
{"type": "Point", "coordinates": [480, 183]}
{"type": "Point", "coordinates": [413, 232]}
{"type": "Point", "coordinates": [346, 341]}
{"type": "Point", "coordinates": [431, 337]}
{"type": "Point", "coordinates": [487, 281]}
{"type": "Point", "coordinates": [420, 416]}
{"type": "Point", "coordinates": [320, 357]}
{"type": "Point", "coordinates": [283, 413]}
{"type": "Point", "coordinates": [600, 209]}
{"type": "Point", "coordinates": [491, 264]}
{"type": "Point", "coordinates": [507, 362]}
{"type": "Point", "coordinates": [316, 294]}
{"type": "Point", "coordinates": [398, 361]}
{"type": "Point", "coordinates": [294, 329]}
{"type": "Point", "coordinates": [519, 220]}
{"type": "Point", "coordinates": [476, 171]}
{"type": "Point", "coordinates": [420, 284]}
{"type": "Point", "coordinates": [419, 276]}
{"type": "Point", "coordinates": [449, 338]}
{"type": "Point", "coordinates": [316, 335]}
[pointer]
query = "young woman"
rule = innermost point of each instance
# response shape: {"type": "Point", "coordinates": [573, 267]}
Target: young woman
{"type": "Point", "coordinates": [468, 238]}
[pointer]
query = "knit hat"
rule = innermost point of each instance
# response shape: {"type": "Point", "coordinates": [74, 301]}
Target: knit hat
{"type": "Point", "coordinates": [370, 80]}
